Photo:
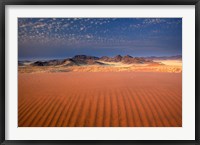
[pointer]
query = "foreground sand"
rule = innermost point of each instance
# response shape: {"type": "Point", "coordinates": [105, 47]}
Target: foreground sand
{"type": "Point", "coordinates": [100, 99]}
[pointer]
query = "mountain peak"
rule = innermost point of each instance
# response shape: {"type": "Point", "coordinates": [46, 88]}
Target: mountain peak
{"type": "Point", "coordinates": [117, 58]}
{"type": "Point", "coordinates": [78, 57]}
{"type": "Point", "coordinates": [128, 56]}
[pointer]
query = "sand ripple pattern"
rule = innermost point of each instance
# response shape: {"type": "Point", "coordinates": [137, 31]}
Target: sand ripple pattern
{"type": "Point", "coordinates": [112, 99]}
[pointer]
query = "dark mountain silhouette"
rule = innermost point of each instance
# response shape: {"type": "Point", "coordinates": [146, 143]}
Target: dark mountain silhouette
{"type": "Point", "coordinates": [117, 58]}
{"type": "Point", "coordinates": [106, 58]}
{"type": "Point", "coordinates": [137, 60]}
{"type": "Point", "coordinates": [79, 60]}
{"type": "Point", "coordinates": [125, 59]}
{"type": "Point", "coordinates": [40, 63]}
{"type": "Point", "coordinates": [84, 57]}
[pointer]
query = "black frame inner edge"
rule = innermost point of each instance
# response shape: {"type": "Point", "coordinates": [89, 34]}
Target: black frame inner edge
{"type": "Point", "coordinates": [3, 3]}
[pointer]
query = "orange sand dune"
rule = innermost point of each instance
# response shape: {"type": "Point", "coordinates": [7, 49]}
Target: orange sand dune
{"type": "Point", "coordinates": [99, 99]}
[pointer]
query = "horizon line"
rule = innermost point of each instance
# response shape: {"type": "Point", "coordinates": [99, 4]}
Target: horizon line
{"type": "Point", "coordinates": [57, 58]}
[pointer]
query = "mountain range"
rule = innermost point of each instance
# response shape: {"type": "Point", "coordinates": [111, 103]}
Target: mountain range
{"type": "Point", "coordinates": [79, 60]}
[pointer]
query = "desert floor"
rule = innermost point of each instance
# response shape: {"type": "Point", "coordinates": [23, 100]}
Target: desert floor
{"type": "Point", "coordinates": [100, 99]}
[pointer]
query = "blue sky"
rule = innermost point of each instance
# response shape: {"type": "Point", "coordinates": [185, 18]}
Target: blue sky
{"type": "Point", "coordinates": [40, 38]}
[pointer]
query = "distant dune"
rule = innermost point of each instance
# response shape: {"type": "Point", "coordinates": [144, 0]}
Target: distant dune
{"type": "Point", "coordinates": [111, 99]}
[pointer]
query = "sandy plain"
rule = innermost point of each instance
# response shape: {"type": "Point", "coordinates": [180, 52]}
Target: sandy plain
{"type": "Point", "coordinates": [100, 99]}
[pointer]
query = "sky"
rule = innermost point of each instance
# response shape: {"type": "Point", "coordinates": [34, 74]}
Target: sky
{"type": "Point", "coordinates": [45, 38]}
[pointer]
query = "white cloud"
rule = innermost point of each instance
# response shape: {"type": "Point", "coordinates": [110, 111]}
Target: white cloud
{"type": "Point", "coordinates": [39, 25]}
{"type": "Point", "coordinates": [88, 36]}
{"type": "Point", "coordinates": [153, 21]}
{"type": "Point", "coordinates": [66, 25]}
{"type": "Point", "coordinates": [82, 28]}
